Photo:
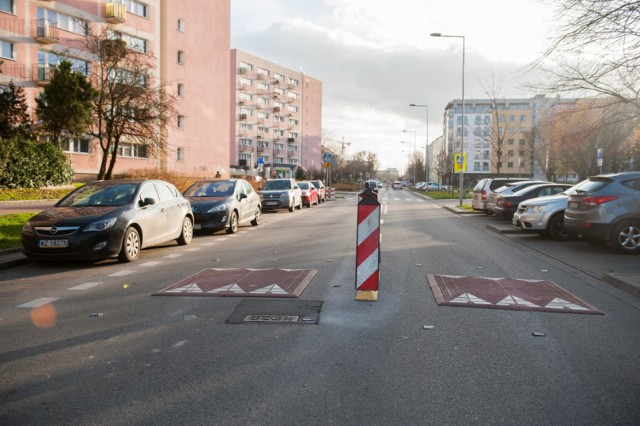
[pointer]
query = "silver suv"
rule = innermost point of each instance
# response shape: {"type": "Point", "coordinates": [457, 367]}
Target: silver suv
{"type": "Point", "coordinates": [485, 187]}
{"type": "Point", "coordinates": [545, 215]}
{"type": "Point", "coordinates": [606, 209]}
{"type": "Point", "coordinates": [281, 194]}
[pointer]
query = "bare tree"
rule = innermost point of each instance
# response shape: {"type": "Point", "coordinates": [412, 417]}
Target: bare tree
{"type": "Point", "coordinates": [596, 51]}
{"type": "Point", "coordinates": [502, 128]}
{"type": "Point", "coordinates": [130, 106]}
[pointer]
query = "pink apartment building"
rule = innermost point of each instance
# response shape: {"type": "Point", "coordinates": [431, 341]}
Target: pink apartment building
{"type": "Point", "coordinates": [190, 42]}
{"type": "Point", "coordinates": [276, 123]}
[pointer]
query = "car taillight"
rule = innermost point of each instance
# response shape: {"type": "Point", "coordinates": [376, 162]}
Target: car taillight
{"type": "Point", "coordinates": [506, 203]}
{"type": "Point", "coordinates": [596, 201]}
{"type": "Point", "coordinates": [484, 195]}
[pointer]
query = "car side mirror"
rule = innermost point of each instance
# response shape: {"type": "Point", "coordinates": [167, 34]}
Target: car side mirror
{"type": "Point", "coordinates": [243, 195]}
{"type": "Point", "coordinates": [149, 201]}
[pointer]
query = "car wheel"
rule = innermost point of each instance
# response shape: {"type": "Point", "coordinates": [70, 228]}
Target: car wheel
{"type": "Point", "coordinates": [187, 232]}
{"type": "Point", "coordinates": [256, 218]}
{"type": "Point", "coordinates": [130, 246]}
{"type": "Point", "coordinates": [233, 223]}
{"type": "Point", "coordinates": [625, 237]}
{"type": "Point", "coordinates": [556, 228]}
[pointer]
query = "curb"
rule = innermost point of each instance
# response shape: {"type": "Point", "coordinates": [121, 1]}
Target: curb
{"type": "Point", "coordinates": [11, 258]}
{"type": "Point", "coordinates": [627, 282]}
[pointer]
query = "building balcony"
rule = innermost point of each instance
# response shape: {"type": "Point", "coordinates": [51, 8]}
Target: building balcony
{"type": "Point", "coordinates": [278, 152]}
{"type": "Point", "coordinates": [46, 32]}
{"type": "Point", "coordinates": [291, 140]}
{"type": "Point", "coordinates": [44, 75]}
{"type": "Point", "coordinates": [246, 148]}
{"type": "Point", "coordinates": [115, 13]}
{"type": "Point", "coordinates": [261, 149]}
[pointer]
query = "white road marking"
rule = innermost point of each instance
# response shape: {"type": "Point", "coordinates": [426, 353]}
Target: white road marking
{"type": "Point", "coordinates": [172, 256]}
{"type": "Point", "coordinates": [151, 263]}
{"type": "Point", "coordinates": [192, 249]}
{"type": "Point", "coordinates": [38, 302]}
{"type": "Point", "coordinates": [121, 273]}
{"type": "Point", "coordinates": [86, 286]}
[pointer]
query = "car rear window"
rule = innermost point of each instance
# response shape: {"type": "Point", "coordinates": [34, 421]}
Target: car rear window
{"type": "Point", "coordinates": [592, 185]}
{"type": "Point", "coordinates": [480, 185]}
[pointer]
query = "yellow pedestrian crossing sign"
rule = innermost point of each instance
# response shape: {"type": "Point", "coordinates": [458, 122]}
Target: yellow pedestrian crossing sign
{"type": "Point", "coordinates": [459, 162]}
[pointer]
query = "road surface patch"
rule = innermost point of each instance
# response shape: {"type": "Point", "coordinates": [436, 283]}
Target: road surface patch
{"type": "Point", "coordinates": [237, 282]}
{"type": "Point", "coordinates": [506, 293]}
{"type": "Point", "coordinates": [252, 311]}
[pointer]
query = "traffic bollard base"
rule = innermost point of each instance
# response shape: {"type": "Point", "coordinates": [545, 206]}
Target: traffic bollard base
{"type": "Point", "coordinates": [367, 295]}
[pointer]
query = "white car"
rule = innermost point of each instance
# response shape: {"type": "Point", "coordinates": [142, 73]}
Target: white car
{"type": "Point", "coordinates": [433, 186]}
{"type": "Point", "coordinates": [545, 215]}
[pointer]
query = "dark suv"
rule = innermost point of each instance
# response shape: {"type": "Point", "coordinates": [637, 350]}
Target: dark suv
{"type": "Point", "coordinates": [606, 209]}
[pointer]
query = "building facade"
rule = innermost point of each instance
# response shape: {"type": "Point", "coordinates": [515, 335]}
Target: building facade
{"type": "Point", "coordinates": [190, 59]}
{"type": "Point", "coordinates": [498, 135]}
{"type": "Point", "coordinates": [276, 123]}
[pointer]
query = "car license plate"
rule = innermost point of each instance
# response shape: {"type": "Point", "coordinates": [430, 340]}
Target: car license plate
{"type": "Point", "coordinates": [573, 204]}
{"type": "Point", "coordinates": [53, 243]}
{"type": "Point", "coordinates": [197, 227]}
{"type": "Point", "coordinates": [271, 203]}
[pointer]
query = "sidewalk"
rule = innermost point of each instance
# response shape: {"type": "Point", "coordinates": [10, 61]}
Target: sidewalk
{"type": "Point", "coordinates": [14, 257]}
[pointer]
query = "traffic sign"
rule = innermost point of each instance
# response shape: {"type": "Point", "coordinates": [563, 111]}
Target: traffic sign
{"type": "Point", "coordinates": [459, 162]}
{"type": "Point", "coordinates": [327, 164]}
{"type": "Point", "coordinates": [326, 157]}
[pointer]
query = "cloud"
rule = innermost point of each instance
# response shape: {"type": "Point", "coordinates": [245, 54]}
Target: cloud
{"type": "Point", "coordinates": [373, 65]}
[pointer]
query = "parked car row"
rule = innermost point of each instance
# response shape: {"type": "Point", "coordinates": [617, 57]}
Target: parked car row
{"type": "Point", "coordinates": [428, 186]}
{"type": "Point", "coordinates": [118, 218]}
{"type": "Point", "coordinates": [603, 209]}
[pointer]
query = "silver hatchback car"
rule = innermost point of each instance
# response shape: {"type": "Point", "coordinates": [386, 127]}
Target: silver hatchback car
{"type": "Point", "coordinates": [606, 209]}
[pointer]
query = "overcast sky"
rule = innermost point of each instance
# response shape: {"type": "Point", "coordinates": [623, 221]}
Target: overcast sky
{"type": "Point", "coordinates": [375, 57]}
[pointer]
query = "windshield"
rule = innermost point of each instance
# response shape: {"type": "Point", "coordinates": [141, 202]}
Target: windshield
{"type": "Point", "coordinates": [303, 185]}
{"type": "Point", "coordinates": [271, 185]}
{"type": "Point", "coordinates": [211, 189]}
{"type": "Point", "coordinates": [100, 194]}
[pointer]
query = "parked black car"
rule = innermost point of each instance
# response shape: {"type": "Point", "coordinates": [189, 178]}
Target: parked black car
{"type": "Point", "coordinates": [219, 204]}
{"type": "Point", "coordinates": [104, 219]}
{"type": "Point", "coordinates": [606, 209]}
{"type": "Point", "coordinates": [506, 205]}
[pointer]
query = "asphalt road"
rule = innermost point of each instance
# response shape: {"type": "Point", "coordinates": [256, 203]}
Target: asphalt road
{"type": "Point", "coordinates": [107, 352]}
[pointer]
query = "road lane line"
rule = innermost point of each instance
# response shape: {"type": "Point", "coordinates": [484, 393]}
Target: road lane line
{"type": "Point", "coordinates": [38, 302]}
{"type": "Point", "coordinates": [86, 286]}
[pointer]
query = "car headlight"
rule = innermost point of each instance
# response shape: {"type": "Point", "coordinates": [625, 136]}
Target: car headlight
{"type": "Point", "coordinates": [539, 209]}
{"type": "Point", "coordinates": [101, 225]}
{"type": "Point", "coordinates": [218, 208]}
{"type": "Point", "coordinates": [285, 196]}
{"type": "Point", "coordinates": [27, 227]}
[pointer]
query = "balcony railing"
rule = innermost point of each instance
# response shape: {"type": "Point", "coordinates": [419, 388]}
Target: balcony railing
{"type": "Point", "coordinates": [46, 32]}
{"type": "Point", "coordinates": [246, 148]}
{"type": "Point", "coordinates": [45, 73]}
{"type": "Point", "coordinates": [115, 13]}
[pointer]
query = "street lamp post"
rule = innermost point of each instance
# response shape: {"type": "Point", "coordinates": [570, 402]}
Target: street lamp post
{"type": "Point", "coordinates": [461, 190]}
{"type": "Point", "coordinates": [426, 146]}
{"type": "Point", "coordinates": [413, 160]}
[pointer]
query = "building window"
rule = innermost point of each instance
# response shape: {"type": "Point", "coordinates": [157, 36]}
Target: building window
{"type": "Point", "coordinates": [79, 145]}
{"type": "Point", "coordinates": [181, 90]}
{"type": "Point", "coordinates": [180, 153]}
{"type": "Point", "coordinates": [180, 57]}
{"type": "Point", "coordinates": [47, 61]}
{"type": "Point", "coordinates": [244, 67]}
{"type": "Point", "coordinates": [135, 7]}
{"type": "Point", "coordinates": [64, 22]}
{"type": "Point", "coordinates": [181, 122]}
{"type": "Point", "coordinates": [132, 150]}
{"type": "Point", "coordinates": [7, 50]}
{"type": "Point", "coordinates": [522, 142]}
{"type": "Point", "coordinates": [181, 25]}
{"type": "Point", "coordinates": [510, 142]}
{"type": "Point", "coordinates": [510, 164]}
{"type": "Point", "coordinates": [6, 6]}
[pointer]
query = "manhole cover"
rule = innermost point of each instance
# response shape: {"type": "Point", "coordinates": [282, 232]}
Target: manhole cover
{"type": "Point", "coordinates": [243, 283]}
{"type": "Point", "coordinates": [506, 293]}
{"type": "Point", "coordinates": [251, 311]}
